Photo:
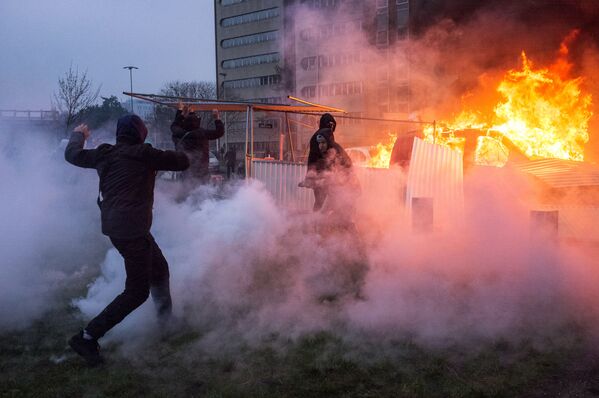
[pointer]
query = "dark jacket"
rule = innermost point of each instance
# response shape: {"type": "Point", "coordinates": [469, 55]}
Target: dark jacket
{"type": "Point", "coordinates": [314, 154]}
{"type": "Point", "coordinates": [335, 160]}
{"type": "Point", "coordinates": [127, 172]}
{"type": "Point", "coordinates": [190, 138]}
{"type": "Point", "coordinates": [329, 173]}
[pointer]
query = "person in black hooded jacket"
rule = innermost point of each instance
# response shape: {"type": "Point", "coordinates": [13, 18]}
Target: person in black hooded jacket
{"type": "Point", "coordinates": [326, 128]}
{"type": "Point", "coordinates": [190, 138]}
{"type": "Point", "coordinates": [331, 176]}
{"type": "Point", "coordinates": [127, 174]}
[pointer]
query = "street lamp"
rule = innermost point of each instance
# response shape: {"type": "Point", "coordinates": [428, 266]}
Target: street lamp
{"type": "Point", "coordinates": [131, 81]}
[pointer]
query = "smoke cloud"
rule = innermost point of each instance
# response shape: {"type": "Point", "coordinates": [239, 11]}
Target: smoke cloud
{"type": "Point", "coordinates": [244, 270]}
{"type": "Point", "coordinates": [49, 230]}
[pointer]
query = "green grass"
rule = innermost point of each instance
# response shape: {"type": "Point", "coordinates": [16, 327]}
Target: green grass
{"type": "Point", "coordinates": [319, 364]}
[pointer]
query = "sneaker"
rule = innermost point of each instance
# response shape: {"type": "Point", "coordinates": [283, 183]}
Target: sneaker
{"type": "Point", "coordinates": [88, 349]}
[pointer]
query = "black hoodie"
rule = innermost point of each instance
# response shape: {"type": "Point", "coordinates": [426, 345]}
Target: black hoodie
{"type": "Point", "coordinates": [335, 159]}
{"type": "Point", "coordinates": [127, 172]}
{"type": "Point", "coordinates": [326, 128]}
{"type": "Point", "coordinates": [190, 138]}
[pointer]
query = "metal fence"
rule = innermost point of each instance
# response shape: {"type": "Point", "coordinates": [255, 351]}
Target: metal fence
{"type": "Point", "coordinates": [437, 174]}
{"type": "Point", "coordinates": [281, 179]}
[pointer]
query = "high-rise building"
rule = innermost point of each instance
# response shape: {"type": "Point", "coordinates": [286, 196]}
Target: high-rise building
{"type": "Point", "coordinates": [340, 53]}
{"type": "Point", "coordinates": [250, 51]}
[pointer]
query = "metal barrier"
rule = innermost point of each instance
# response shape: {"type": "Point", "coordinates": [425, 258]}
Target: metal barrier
{"type": "Point", "coordinates": [575, 222]}
{"type": "Point", "coordinates": [281, 180]}
{"type": "Point", "coordinates": [436, 172]}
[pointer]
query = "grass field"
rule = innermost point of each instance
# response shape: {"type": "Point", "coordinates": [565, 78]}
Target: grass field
{"type": "Point", "coordinates": [36, 362]}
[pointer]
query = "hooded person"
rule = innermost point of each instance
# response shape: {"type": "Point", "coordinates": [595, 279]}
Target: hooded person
{"type": "Point", "coordinates": [326, 127]}
{"type": "Point", "coordinates": [127, 174]}
{"type": "Point", "coordinates": [331, 175]}
{"type": "Point", "coordinates": [190, 138]}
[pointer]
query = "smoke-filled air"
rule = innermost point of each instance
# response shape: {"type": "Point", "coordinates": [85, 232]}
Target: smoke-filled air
{"type": "Point", "coordinates": [477, 239]}
{"type": "Point", "coordinates": [244, 269]}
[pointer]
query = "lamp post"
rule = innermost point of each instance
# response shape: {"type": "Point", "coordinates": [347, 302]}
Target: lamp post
{"type": "Point", "coordinates": [224, 75]}
{"type": "Point", "coordinates": [131, 81]}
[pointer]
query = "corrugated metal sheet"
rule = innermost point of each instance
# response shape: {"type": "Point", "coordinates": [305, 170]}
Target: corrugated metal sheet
{"type": "Point", "coordinates": [281, 179]}
{"type": "Point", "coordinates": [577, 222]}
{"type": "Point", "coordinates": [436, 172]}
{"type": "Point", "coordinates": [559, 173]}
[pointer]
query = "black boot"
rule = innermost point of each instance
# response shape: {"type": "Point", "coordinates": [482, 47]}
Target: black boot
{"type": "Point", "coordinates": [88, 349]}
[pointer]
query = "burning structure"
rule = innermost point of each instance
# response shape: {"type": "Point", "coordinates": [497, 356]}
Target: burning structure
{"type": "Point", "coordinates": [405, 59]}
{"type": "Point", "coordinates": [525, 102]}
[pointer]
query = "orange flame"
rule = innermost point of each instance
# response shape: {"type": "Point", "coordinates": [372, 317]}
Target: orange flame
{"type": "Point", "coordinates": [542, 111]}
{"type": "Point", "coordinates": [382, 156]}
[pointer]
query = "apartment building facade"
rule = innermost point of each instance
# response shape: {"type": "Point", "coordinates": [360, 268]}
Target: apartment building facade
{"type": "Point", "coordinates": [336, 52]}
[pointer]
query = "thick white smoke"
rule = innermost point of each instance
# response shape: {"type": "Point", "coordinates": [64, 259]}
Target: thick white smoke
{"type": "Point", "coordinates": [49, 229]}
{"type": "Point", "coordinates": [243, 270]}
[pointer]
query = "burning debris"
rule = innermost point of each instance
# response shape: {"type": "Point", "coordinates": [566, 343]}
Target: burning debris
{"type": "Point", "coordinates": [542, 111]}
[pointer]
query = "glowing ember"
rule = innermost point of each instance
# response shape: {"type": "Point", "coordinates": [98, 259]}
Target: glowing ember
{"type": "Point", "coordinates": [383, 153]}
{"type": "Point", "coordinates": [542, 111]}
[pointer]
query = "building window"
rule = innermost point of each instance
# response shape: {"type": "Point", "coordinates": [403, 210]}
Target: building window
{"type": "Point", "coordinates": [308, 63]}
{"type": "Point", "coordinates": [253, 82]}
{"type": "Point", "coordinates": [321, 3]}
{"type": "Point", "coordinates": [382, 38]}
{"type": "Point", "coordinates": [250, 17]}
{"type": "Point", "coordinates": [250, 39]}
{"type": "Point", "coordinates": [251, 61]}
{"type": "Point", "coordinates": [267, 100]}
{"type": "Point", "coordinates": [403, 13]}
{"type": "Point", "coordinates": [382, 21]}
{"type": "Point", "coordinates": [309, 92]}
{"type": "Point", "coordinates": [230, 2]}
{"type": "Point", "coordinates": [332, 90]}
{"type": "Point", "coordinates": [328, 31]}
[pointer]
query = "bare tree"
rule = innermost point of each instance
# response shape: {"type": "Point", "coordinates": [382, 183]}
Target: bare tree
{"type": "Point", "coordinates": [75, 92]}
{"type": "Point", "coordinates": [163, 116]}
{"type": "Point", "coordinates": [193, 89]}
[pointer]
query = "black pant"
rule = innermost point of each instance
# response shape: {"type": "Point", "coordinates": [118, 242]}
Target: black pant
{"type": "Point", "coordinates": [147, 272]}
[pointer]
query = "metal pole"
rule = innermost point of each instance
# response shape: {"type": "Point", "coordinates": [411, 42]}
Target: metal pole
{"type": "Point", "coordinates": [131, 86]}
{"type": "Point", "coordinates": [224, 75]}
{"type": "Point", "coordinates": [247, 133]}
{"type": "Point", "coordinates": [131, 81]}
{"type": "Point", "coordinates": [290, 138]}
{"type": "Point", "coordinates": [252, 129]}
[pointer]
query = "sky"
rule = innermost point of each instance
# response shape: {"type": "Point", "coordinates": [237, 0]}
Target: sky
{"type": "Point", "coordinates": [39, 40]}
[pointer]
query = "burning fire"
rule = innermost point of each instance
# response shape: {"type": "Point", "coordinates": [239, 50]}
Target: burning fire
{"type": "Point", "coordinates": [542, 111]}
{"type": "Point", "coordinates": [383, 153]}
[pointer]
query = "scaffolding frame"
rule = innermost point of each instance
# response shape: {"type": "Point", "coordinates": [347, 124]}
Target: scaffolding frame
{"type": "Point", "coordinates": [306, 108]}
